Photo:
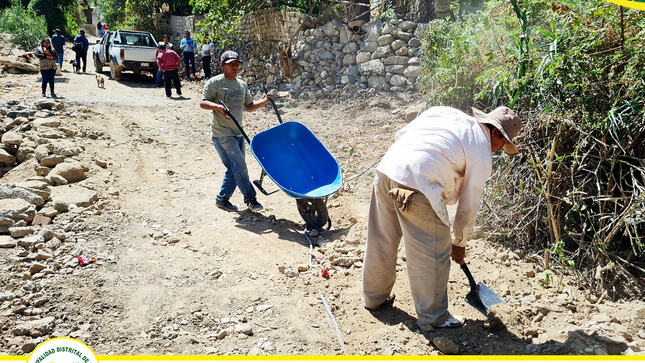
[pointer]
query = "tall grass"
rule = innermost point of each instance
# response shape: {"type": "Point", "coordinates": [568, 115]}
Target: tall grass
{"type": "Point", "coordinates": [576, 73]}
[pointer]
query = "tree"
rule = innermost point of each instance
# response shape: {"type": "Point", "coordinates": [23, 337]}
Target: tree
{"type": "Point", "coordinates": [57, 13]}
{"type": "Point", "coordinates": [113, 11]}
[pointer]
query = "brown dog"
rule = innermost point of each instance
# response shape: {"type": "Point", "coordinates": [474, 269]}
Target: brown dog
{"type": "Point", "coordinates": [100, 81]}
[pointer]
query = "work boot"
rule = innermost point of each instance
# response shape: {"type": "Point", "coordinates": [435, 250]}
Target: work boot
{"type": "Point", "coordinates": [226, 205]}
{"type": "Point", "coordinates": [254, 205]}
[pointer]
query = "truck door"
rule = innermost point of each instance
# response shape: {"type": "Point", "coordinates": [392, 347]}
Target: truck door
{"type": "Point", "coordinates": [106, 50]}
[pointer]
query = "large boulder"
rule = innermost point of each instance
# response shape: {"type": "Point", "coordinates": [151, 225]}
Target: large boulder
{"type": "Point", "coordinates": [70, 171]}
{"type": "Point", "coordinates": [373, 66]}
{"type": "Point", "coordinates": [73, 194]}
{"type": "Point", "coordinates": [34, 328]}
{"type": "Point", "coordinates": [412, 71]}
{"type": "Point", "coordinates": [11, 191]}
{"type": "Point", "coordinates": [6, 159]}
{"type": "Point", "coordinates": [385, 40]}
{"type": "Point", "coordinates": [11, 138]}
{"type": "Point", "coordinates": [64, 147]}
{"type": "Point", "coordinates": [396, 60]}
{"type": "Point", "coordinates": [363, 57]}
{"type": "Point", "coordinates": [376, 82]}
{"type": "Point", "coordinates": [13, 211]}
{"type": "Point", "coordinates": [52, 160]}
{"type": "Point", "coordinates": [398, 81]}
{"type": "Point", "coordinates": [46, 122]}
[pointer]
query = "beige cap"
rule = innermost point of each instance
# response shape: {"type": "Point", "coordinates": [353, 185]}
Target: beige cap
{"type": "Point", "coordinates": [506, 121]}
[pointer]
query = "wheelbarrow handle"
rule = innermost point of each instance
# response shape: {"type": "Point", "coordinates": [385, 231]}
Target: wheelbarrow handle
{"type": "Point", "coordinates": [471, 280]}
{"type": "Point", "coordinates": [275, 108]}
{"type": "Point", "coordinates": [228, 112]}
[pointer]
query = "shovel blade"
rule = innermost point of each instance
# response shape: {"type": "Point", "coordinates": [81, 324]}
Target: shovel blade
{"type": "Point", "coordinates": [482, 298]}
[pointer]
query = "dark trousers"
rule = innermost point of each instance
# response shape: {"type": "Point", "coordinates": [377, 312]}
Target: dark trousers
{"type": "Point", "coordinates": [189, 57]}
{"type": "Point", "coordinates": [83, 56]}
{"type": "Point", "coordinates": [172, 76]}
{"type": "Point", "coordinates": [206, 65]}
{"type": "Point", "coordinates": [48, 77]}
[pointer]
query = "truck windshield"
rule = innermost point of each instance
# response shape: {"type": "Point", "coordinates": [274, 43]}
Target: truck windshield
{"type": "Point", "coordinates": [144, 40]}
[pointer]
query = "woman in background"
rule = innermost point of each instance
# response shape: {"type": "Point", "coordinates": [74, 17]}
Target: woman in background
{"type": "Point", "coordinates": [47, 56]}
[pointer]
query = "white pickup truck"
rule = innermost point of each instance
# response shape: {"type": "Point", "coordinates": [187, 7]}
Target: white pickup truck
{"type": "Point", "coordinates": [124, 50]}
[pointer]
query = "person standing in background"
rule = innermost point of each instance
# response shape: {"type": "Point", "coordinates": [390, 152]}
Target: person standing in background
{"type": "Point", "coordinates": [58, 41]}
{"type": "Point", "coordinates": [207, 49]}
{"type": "Point", "coordinates": [82, 51]}
{"type": "Point", "coordinates": [99, 29]}
{"type": "Point", "coordinates": [168, 62]}
{"type": "Point", "coordinates": [188, 47]}
{"type": "Point", "coordinates": [166, 43]}
{"type": "Point", "coordinates": [47, 56]}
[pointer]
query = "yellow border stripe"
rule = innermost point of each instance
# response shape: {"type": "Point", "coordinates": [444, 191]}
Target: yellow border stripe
{"type": "Point", "coordinates": [630, 4]}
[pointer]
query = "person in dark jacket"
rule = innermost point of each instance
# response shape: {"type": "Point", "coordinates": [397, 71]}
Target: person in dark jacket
{"type": "Point", "coordinates": [47, 56]}
{"type": "Point", "coordinates": [81, 52]}
{"type": "Point", "coordinates": [58, 41]}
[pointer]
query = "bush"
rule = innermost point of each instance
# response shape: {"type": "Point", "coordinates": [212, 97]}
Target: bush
{"type": "Point", "coordinates": [576, 74]}
{"type": "Point", "coordinates": [27, 27]}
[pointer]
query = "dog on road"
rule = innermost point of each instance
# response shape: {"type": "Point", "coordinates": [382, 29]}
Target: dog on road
{"type": "Point", "coordinates": [100, 81]}
{"type": "Point", "coordinates": [75, 65]}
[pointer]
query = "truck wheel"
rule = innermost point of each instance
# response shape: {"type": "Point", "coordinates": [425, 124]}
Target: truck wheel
{"type": "Point", "coordinates": [115, 72]}
{"type": "Point", "coordinates": [98, 66]}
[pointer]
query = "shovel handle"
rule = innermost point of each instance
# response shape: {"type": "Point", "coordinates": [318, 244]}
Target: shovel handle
{"type": "Point", "coordinates": [471, 280]}
{"type": "Point", "coordinates": [275, 108]}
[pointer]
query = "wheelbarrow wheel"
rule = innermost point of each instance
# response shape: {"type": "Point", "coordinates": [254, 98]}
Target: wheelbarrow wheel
{"type": "Point", "coordinates": [314, 212]}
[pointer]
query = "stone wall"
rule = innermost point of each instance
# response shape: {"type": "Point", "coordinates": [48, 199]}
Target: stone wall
{"type": "Point", "coordinates": [383, 56]}
{"type": "Point", "coordinates": [271, 25]}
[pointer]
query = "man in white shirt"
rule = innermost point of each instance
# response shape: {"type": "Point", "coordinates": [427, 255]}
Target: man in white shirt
{"type": "Point", "coordinates": [207, 49]}
{"type": "Point", "coordinates": [442, 157]}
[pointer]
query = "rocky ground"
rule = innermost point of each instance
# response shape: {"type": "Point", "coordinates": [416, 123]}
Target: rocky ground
{"type": "Point", "coordinates": [128, 177]}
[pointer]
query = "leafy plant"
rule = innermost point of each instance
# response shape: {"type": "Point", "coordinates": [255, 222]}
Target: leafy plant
{"type": "Point", "coordinates": [27, 28]}
{"type": "Point", "coordinates": [574, 72]}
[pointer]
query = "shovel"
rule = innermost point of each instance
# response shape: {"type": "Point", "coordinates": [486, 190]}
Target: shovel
{"type": "Point", "coordinates": [480, 296]}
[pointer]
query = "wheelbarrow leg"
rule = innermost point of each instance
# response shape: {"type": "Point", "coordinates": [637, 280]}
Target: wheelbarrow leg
{"type": "Point", "coordinates": [258, 184]}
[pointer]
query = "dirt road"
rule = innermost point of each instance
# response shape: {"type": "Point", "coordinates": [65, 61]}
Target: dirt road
{"type": "Point", "coordinates": [176, 275]}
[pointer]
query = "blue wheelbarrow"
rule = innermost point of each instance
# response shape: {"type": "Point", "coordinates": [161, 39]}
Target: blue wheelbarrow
{"type": "Point", "coordinates": [299, 164]}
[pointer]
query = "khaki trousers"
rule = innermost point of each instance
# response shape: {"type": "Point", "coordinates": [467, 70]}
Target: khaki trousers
{"type": "Point", "coordinates": [427, 247]}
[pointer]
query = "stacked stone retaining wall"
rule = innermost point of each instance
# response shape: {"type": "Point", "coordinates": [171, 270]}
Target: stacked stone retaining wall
{"type": "Point", "coordinates": [383, 56]}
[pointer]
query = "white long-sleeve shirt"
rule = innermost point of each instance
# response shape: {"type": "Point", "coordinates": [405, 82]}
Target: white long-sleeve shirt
{"type": "Point", "coordinates": [446, 155]}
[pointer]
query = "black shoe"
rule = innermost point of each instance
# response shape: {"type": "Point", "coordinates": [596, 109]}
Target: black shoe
{"type": "Point", "coordinates": [54, 95]}
{"type": "Point", "coordinates": [226, 205]}
{"type": "Point", "coordinates": [254, 205]}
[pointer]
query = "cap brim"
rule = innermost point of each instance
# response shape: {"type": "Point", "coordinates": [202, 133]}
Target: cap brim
{"type": "Point", "coordinates": [232, 60]}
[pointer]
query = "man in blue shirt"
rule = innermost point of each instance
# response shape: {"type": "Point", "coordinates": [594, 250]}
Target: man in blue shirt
{"type": "Point", "coordinates": [82, 51]}
{"type": "Point", "coordinates": [188, 47]}
{"type": "Point", "coordinates": [58, 41]}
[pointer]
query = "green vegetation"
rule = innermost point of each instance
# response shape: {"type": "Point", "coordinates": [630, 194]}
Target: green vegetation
{"type": "Point", "coordinates": [27, 27]}
{"type": "Point", "coordinates": [575, 71]}
{"type": "Point", "coordinates": [223, 16]}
